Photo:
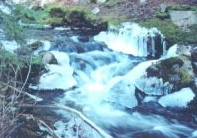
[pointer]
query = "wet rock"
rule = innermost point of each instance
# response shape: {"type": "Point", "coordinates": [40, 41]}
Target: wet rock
{"type": "Point", "coordinates": [158, 45]}
{"type": "Point", "coordinates": [36, 71]}
{"type": "Point", "coordinates": [68, 45]}
{"type": "Point", "coordinates": [194, 64]}
{"type": "Point", "coordinates": [49, 58]}
{"type": "Point", "coordinates": [83, 38]}
{"type": "Point", "coordinates": [177, 71]}
{"type": "Point", "coordinates": [194, 55]}
{"type": "Point", "coordinates": [36, 45]}
{"type": "Point", "coordinates": [92, 46]}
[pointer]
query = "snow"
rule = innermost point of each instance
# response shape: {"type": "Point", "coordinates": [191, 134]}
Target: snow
{"type": "Point", "coordinates": [172, 52]}
{"type": "Point", "coordinates": [177, 99]}
{"type": "Point", "coordinates": [4, 9]}
{"type": "Point", "coordinates": [59, 76]}
{"type": "Point", "coordinates": [10, 46]}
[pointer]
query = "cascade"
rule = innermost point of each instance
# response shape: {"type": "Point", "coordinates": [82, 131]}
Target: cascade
{"type": "Point", "coordinates": [132, 39]}
{"type": "Point", "coordinates": [101, 83]}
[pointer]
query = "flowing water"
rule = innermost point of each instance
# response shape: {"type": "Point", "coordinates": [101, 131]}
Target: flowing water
{"type": "Point", "coordinates": [100, 82]}
{"type": "Point", "coordinates": [98, 75]}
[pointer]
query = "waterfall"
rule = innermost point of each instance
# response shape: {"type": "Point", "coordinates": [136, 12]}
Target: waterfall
{"type": "Point", "coordinates": [101, 83]}
{"type": "Point", "coordinates": [132, 39]}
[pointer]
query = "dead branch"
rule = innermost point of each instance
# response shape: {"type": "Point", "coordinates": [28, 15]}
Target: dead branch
{"type": "Point", "coordinates": [36, 98]}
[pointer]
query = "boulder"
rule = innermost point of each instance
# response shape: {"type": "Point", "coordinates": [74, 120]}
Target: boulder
{"type": "Point", "coordinates": [194, 64]}
{"type": "Point", "coordinates": [194, 55]}
{"type": "Point", "coordinates": [49, 58]}
{"type": "Point", "coordinates": [177, 71]}
{"type": "Point", "coordinates": [85, 21]}
{"type": "Point", "coordinates": [36, 45]}
{"type": "Point", "coordinates": [183, 18]}
{"type": "Point", "coordinates": [56, 12]}
{"type": "Point", "coordinates": [68, 45]}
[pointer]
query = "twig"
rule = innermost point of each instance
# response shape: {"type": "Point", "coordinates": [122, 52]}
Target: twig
{"type": "Point", "coordinates": [29, 71]}
{"type": "Point", "coordinates": [38, 99]}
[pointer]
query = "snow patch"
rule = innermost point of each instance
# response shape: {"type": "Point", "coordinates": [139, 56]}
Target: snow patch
{"type": "Point", "coordinates": [177, 99]}
{"type": "Point", "coordinates": [10, 46]}
{"type": "Point", "coordinates": [5, 9]}
{"type": "Point", "coordinates": [59, 76]}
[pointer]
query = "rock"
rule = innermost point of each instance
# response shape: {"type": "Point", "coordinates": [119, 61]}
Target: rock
{"type": "Point", "coordinates": [93, 46]}
{"type": "Point", "coordinates": [183, 18]}
{"type": "Point", "coordinates": [68, 45]}
{"type": "Point", "coordinates": [36, 70]}
{"type": "Point", "coordinates": [153, 70]}
{"type": "Point", "coordinates": [183, 49]}
{"type": "Point", "coordinates": [101, 1]}
{"type": "Point", "coordinates": [84, 21]}
{"type": "Point", "coordinates": [49, 58]}
{"type": "Point", "coordinates": [163, 8]}
{"type": "Point", "coordinates": [36, 45]}
{"type": "Point", "coordinates": [194, 64]}
{"type": "Point", "coordinates": [177, 71]}
{"type": "Point", "coordinates": [83, 38]}
{"type": "Point", "coordinates": [194, 55]}
{"type": "Point", "coordinates": [56, 12]}
{"type": "Point", "coordinates": [96, 10]}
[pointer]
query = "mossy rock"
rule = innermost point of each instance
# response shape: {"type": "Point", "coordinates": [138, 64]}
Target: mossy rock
{"type": "Point", "coordinates": [56, 12]}
{"type": "Point", "coordinates": [170, 62]}
{"type": "Point", "coordinates": [179, 7]}
{"type": "Point", "coordinates": [176, 70]}
{"type": "Point", "coordinates": [35, 45]}
{"type": "Point", "coordinates": [186, 78]}
{"type": "Point", "coordinates": [49, 58]}
{"type": "Point", "coordinates": [172, 33]}
{"type": "Point", "coordinates": [162, 15]}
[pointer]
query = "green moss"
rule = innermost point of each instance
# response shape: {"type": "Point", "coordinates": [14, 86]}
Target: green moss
{"type": "Point", "coordinates": [186, 78]}
{"type": "Point", "coordinates": [7, 58]}
{"type": "Point", "coordinates": [55, 21]}
{"type": "Point", "coordinates": [166, 63]}
{"type": "Point", "coordinates": [56, 12]}
{"type": "Point", "coordinates": [173, 33]}
{"type": "Point", "coordinates": [113, 21]}
{"type": "Point", "coordinates": [162, 15]}
{"type": "Point", "coordinates": [83, 11]}
{"type": "Point", "coordinates": [35, 45]}
{"type": "Point", "coordinates": [170, 31]}
{"type": "Point", "coordinates": [37, 60]}
{"type": "Point", "coordinates": [111, 4]}
{"type": "Point", "coordinates": [182, 7]}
